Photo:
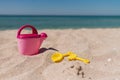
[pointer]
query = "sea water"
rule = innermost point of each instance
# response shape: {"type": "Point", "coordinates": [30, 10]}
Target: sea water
{"type": "Point", "coordinates": [58, 21]}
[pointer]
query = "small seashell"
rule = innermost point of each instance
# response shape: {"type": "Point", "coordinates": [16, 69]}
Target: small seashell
{"type": "Point", "coordinates": [109, 59]}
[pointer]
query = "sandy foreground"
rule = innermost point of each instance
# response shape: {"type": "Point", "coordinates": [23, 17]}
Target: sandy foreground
{"type": "Point", "coordinates": [100, 46]}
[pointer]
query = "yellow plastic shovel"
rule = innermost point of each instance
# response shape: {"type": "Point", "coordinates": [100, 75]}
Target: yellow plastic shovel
{"type": "Point", "coordinates": [57, 56]}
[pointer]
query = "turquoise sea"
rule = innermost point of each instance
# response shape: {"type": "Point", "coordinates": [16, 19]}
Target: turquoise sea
{"type": "Point", "coordinates": [58, 22]}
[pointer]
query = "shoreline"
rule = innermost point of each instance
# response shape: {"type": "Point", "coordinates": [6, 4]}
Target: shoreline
{"type": "Point", "coordinates": [68, 28]}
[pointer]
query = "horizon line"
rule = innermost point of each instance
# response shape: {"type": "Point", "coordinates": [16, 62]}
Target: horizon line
{"type": "Point", "coordinates": [52, 15]}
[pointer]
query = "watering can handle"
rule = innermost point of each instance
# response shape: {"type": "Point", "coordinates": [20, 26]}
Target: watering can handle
{"type": "Point", "coordinates": [34, 31]}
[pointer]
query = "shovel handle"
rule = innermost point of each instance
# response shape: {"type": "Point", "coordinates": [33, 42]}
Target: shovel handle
{"type": "Point", "coordinates": [83, 60]}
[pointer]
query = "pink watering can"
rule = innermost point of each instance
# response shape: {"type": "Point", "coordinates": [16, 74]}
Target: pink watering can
{"type": "Point", "coordinates": [29, 44]}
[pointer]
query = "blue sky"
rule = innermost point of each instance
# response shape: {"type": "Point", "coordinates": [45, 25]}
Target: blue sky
{"type": "Point", "coordinates": [60, 7]}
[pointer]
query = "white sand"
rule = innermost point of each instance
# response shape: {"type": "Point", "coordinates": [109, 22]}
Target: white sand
{"type": "Point", "coordinates": [101, 46]}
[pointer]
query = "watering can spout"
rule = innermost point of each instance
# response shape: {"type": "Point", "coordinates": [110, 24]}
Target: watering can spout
{"type": "Point", "coordinates": [43, 35]}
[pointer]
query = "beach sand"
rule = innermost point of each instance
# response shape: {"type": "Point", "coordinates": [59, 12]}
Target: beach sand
{"type": "Point", "coordinates": [100, 46]}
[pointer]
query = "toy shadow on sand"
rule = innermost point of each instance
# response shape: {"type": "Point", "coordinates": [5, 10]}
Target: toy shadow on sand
{"type": "Point", "coordinates": [41, 50]}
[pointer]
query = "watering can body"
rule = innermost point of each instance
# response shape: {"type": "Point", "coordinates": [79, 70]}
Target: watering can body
{"type": "Point", "coordinates": [29, 44]}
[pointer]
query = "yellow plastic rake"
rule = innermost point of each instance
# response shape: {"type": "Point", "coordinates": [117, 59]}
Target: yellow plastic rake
{"type": "Point", "coordinates": [75, 57]}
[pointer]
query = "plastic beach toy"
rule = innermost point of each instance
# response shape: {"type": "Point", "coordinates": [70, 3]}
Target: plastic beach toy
{"type": "Point", "coordinates": [29, 44]}
{"type": "Point", "coordinates": [75, 57]}
{"type": "Point", "coordinates": [57, 57]}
